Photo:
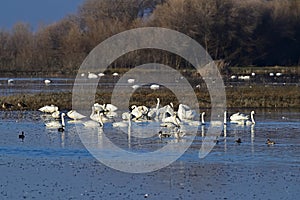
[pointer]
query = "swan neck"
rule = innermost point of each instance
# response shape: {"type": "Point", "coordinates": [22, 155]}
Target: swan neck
{"type": "Point", "coordinates": [100, 118]}
{"type": "Point", "coordinates": [225, 117]}
{"type": "Point", "coordinates": [129, 120]}
{"type": "Point", "coordinates": [62, 121]}
{"type": "Point", "coordinates": [157, 106]}
{"type": "Point", "coordinates": [202, 118]}
{"type": "Point", "coordinates": [252, 118]}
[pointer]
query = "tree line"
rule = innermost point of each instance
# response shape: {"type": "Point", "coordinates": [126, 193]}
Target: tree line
{"type": "Point", "coordinates": [240, 33]}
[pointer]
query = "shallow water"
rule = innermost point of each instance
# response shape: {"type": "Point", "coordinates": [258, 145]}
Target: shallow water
{"type": "Point", "coordinates": [248, 170]}
{"type": "Point", "coordinates": [37, 85]}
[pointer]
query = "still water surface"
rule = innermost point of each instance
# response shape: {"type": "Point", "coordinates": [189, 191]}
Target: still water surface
{"type": "Point", "coordinates": [281, 126]}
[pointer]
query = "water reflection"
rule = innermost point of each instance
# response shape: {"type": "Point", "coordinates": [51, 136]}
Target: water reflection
{"type": "Point", "coordinates": [252, 138]}
{"type": "Point", "coordinates": [284, 131]}
{"type": "Point", "coordinates": [62, 139]}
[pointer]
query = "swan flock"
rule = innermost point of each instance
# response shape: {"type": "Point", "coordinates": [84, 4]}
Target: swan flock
{"type": "Point", "coordinates": [167, 116]}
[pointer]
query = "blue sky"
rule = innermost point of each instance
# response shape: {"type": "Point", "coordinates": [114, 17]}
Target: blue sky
{"type": "Point", "coordinates": [35, 12]}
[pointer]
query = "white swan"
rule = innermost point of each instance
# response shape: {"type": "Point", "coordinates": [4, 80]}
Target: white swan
{"type": "Point", "coordinates": [166, 111]}
{"type": "Point", "coordinates": [135, 86]}
{"type": "Point", "coordinates": [47, 81]}
{"type": "Point", "coordinates": [10, 81]}
{"type": "Point", "coordinates": [154, 87]}
{"type": "Point", "coordinates": [105, 107]}
{"type": "Point", "coordinates": [57, 124]}
{"type": "Point", "coordinates": [248, 122]}
{"type": "Point", "coordinates": [73, 114]}
{"type": "Point", "coordinates": [101, 74]}
{"type": "Point", "coordinates": [131, 80]}
{"type": "Point", "coordinates": [238, 117]}
{"type": "Point", "coordinates": [56, 114]}
{"type": "Point", "coordinates": [115, 74]}
{"type": "Point", "coordinates": [202, 118]}
{"type": "Point", "coordinates": [48, 109]}
{"type": "Point", "coordinates": [110, 107]}
{"type": "Point", "coordinates": [96, 120]}
{"type": "Point", "coordinates": [92, 75]}
{"type": "Point", "coordinates": [186, 113]}
{"type": "Point", "coordinates": [153, 112]}
{"type": "Point", "coordinates": [220, 123]}
{"type": "Point", "coordinates": [172, 121]}
{"type": "Point", "coordinates": [242, 119]}
{"type": "Point", "coordinates": [139, 112]}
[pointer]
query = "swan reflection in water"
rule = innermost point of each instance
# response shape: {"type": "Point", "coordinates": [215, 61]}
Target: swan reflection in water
{"type": "Point", "coordinates": [252, 138]}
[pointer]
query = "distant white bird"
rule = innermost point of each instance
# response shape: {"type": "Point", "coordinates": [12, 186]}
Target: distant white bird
{"type": "Point", "coordinates": [47, 81]}
{"type": "Point", "coordinates": [82, 74]}
{"type": "Point", "coordinates": [135, 87]}
{"type": "Point", "coordinates": [271, 74]}
{"type": "Point", "coordinates": [115, 74]}
{"type": "Point", "coordinates": [278, 74]}
{"type": "Point", "coordinates": [253, 74]}
{"type": "Point", "coordinates": [233, 77]}
{"type": "Point", "coordinates": [48, 109]}
{"type": "Point", "coordinates": [92, 75]}
{"type": "Point", "coordinates": [246, 77]}
{"type": "Point", "coordinates": [131, 80]}
{"type": "Point", "coordinates": [73, 114]}
{"type": "Point", "coordinates": [154, 87]}
{"type": "Point", "coordinates": [10, 81]}
{"type": "Point", "coordinates": [101, 74]}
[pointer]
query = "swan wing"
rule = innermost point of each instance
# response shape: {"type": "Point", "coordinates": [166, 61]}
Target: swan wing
{"type": "Point", "coordinates": [75, 115]}
{"type": "Point", "coordinates": [111, 107]}
{"type": "Point", "coordinates": [48, 109]}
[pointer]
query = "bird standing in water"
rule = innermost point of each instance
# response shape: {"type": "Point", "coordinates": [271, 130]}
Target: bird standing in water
{"type": "Point", "coordinates": [239, 141]}
{"type": "Point", "coordinates": [22, 136]}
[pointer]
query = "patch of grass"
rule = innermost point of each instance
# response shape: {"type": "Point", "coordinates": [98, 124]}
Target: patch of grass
{"type": "Point", "coordinates": [241, 96]}
{"type": "Point", "coordinates": [266, 70]}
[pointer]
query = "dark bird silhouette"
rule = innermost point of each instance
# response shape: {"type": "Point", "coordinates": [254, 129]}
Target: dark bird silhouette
{"type": "Point", "coordinates": [163, 135]}
{"type": "Point", "coordinates": [216, 141]}
{"type": "Point", "coordinates": [239, 141]}
{"type": "Point", "coordinates": [7, 105]}
{"type": "Point", "coordinates": [22, 136]}
{"type": "Point", "coordinates": [61, 129]}
{"type": "Point", "coordinates": [22, 105]}
{"type": "Point", "coordinates": [270, 142]}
